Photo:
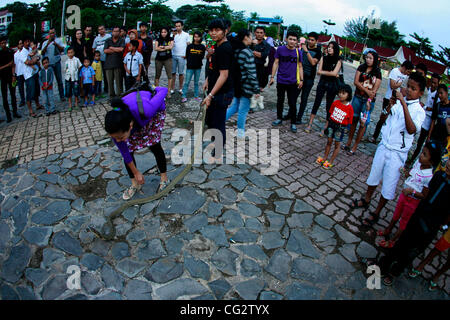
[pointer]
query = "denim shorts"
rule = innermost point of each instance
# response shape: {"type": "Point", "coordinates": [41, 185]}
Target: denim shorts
{"type": "Point", "coordinates": [335, 131]}
{"type": "Point", "coordinates": [72, 89]}
{"type": "Point", "coordinates": [30, 84]}
{"type": "Point", "coordinates": [179, 64]}
{"type": "Point", "coordinates": [88, 88]}
{"type": "Point", "coordinates": [359, 106]}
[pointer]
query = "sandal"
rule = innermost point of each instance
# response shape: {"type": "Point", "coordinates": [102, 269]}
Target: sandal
{"type": "Point", "coordinates": [433, 286]}
{"type": "Point", "coordinates": [414, 273]}
{"type": "Point", "coordinates": [327, 165]}
{"type": "Point", "coordinates": [370, 222]}
{"type": "Point", "coordinates": [386, 244]}
{"type": "Point", "coordinates": [130, 192]}
{"type": "Point", "coordinates": [346, 148]}
{"type": "Point", "coordinates": [163, 185]}
{"type": "Point", "coordinates": [388, 280]}
{"type": "Point", "coordinates": [308, 130]}
{"type": "Point", "coordinates": [33, 115]}
{"type": "Point", "coordinates": [355, 204]}
{"type": "Point", "coordinates": [320, 160]}
{"type": "Point", "coordinates": [352, 153]}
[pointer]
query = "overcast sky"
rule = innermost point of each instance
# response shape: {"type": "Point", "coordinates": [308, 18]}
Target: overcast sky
{"type": "Point", "coordinates": [426, 18]}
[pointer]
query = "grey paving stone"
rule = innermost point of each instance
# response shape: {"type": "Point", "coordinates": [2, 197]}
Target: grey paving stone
{"type": "Point", "coordinates": [51, 178]}
{"type": "Point", "coordinates": [324, 221]}
{"type": "Point", "coordinates": [272, 240]}
{"type": "Point", "coordinates": [227, 196]}
{"type": "Point", "coordinates": [136, 236]}
{"type": "Point", "coordinates": [92, 261]}
{"type": "Point", "coordinates": [244, 236]}
{"type": "Point", "coordinates": [26, 293]}
{"type": "Point", "coordinates": [51, 256]}
{"type": "Point", "coordinates": [365, 250]}
{"type": "Point", "coordinates": [164, 270]}
{"type": "Point", "coordinates": [259, 191]}
{"type": "Point", "coordinates": [37, 276]}
{"type": "Point", "coordinates": [8, 293]}
{"type": "Point", "coordinates": [27, 181]}
{"type": "Point", "coordinates": [90, 283]}
{"type": "Point", "coordinates": [130, 214]}
{"type": "Point", "coordinates": [182, 201]}
{"type": "Point", "coordinates": [207, 296]}
{"type": "Point", "coordinates": [77, 297]}
{"type": "Point", "coordinates": [270, 295]}
{"type": "Point", "coordinates": [145, 162]}
{"type": "Point", "coordinates": [283, 206]}
{"type": "Point", "coordinates": [110, 175]}
{"type": "Point", "coordinates": [218, 174]}
{"type": "Point", "coordinates": [225, 261]}
{"type": "Point", "coordinates": [101, 247]}
{"type": "Point", "coordinates": [299, 243]}
{"type": "Point", "coordinates": [219, 287]}
{"type": "Point", "coordinates": [13, 268]}
{"type": "Point", "coordinates": [196, 222]}
{"type": "Point", "coordinates": [249, 290]}
{"type": "Point", "coordinates": [94, 173]}
{"type": "Point", "coordinates": [283, 193]}
{"type": "Point", "coordinates": [215, 184]}
{"type": "Point", "coordinates": [174, 245]}
{"type": "Point", "coordinates": [130, 267]}
{"type": "Point", "coordinates": [53, 191]}
{"type": "Point", "coordinates": [239, 183]}
{"type": "Point", "coordinates": [261, 181]}
{"type": "Point", "coordinates": [138, 290]}
{"type": "Point", "coordinates": [120, 250]}
{"type": "Point", "coordinates": [148, 208]}
{"type": "Point", "coordinates": [54, 288]}
{"type": "Point", "coordinates": [232, 219]}
{"type": "Point", "coordinates": [152, 226]}
{"type": "Point", "coordinates": [5, 236]}
{"type": "Point", "coordinates": [77, 172]}
{"type": "Point", "coordinates": [299, 291]}
{"type": "Point", "coordinates": [151, 249]}
{"type": "Point", "coordinates": [250, 268]}
{"type": "Point", "coordinates": [83, 178]}
{"type": "Point", "coordinates": [9, 204]}
{"type": "Point", "coordinates": [345, 235]}
{"type": "Point", "coordinates": [113, 187]}
{"type": "Point", "coordinates": [279, 265]}
{"type": "Point", "coordinates": [112, 278]}
{"type": "Point", "coordinates": [335, 294]}
{"type": "Point", "coordinates": [249, 209]}
{"type": "Point", "coordinates": [197, 267]}
{"type": "Point", "coordinates": [356, 281]}
{"type": "Point", "coordinates": [320, 234]}
{"type": "Point", "coordinates": [301, 206]}
{"type": "Point", "coordinates": [20, 216]}
{"type": "Point", "coordinates": [52, 157]}
{"type": "Point", "coordinates": [196, 176]}
{"type": "Point", "coordinates": [215, 234]}
{"type": "Point", "coordinates": [180, 287]}
{"type": "Point", "coordinates": [348, 252]}
{"type": "Point", "coordinates": [251, 197]}
{"type": "Point", "coordinates": [78, 204]}
{"type": "Point", "coordinates": [300, 220]}
{"type": "Point", "coordinates": [110, 296]}
{"type": "Point", "coordinates": [305, 269]}
{"type": "Point", "coordinates": [253, 251]}
{"type": "Point", "coordinates": [276, 221]}
{"type": "Point", "coordinates": [38, 235]}
{"type": "Point", "coordinates": [53, 213]}
{"type": "Point", "coordinates": [65, 242]}
{"type": "Point", "coordinates": [214, 209]}
{"type": "Point", "coordinates": [67, 164]}
{"type": "Point", "coordinates": [254, 225]}
{"type": "Point", "coordinates": [338, 264]}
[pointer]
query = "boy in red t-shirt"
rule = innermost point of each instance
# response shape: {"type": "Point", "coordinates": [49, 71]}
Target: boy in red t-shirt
{"type": "Point", "coordinates": [341, 115]}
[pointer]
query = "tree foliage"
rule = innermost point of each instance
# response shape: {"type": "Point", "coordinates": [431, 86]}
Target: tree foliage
{"type": "Point", "coordinates": [295, 28]}
{"type": "Point", "coordinates": [443, 56]}
{"type": "Point", "coordinates": [422, 46]}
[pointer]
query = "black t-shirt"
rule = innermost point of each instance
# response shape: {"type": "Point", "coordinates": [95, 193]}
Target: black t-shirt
{"type": "Point", "coordinates": [194, 55]}
{"type": "Point", "coordinates": [147, 49]}
{"type": "Point", "coordinates": [440, 115]}
{"type": "Point", "coordinates": [329, 64]}
{"type": "Point", "coordinates": [164, 55]}
{"type": "Point", "coordinates": [88, 43]}
{"type": "Point", "coordinates": [309, 71]}
{"type": "Point", "coordinates": [114, 60]}
{"type": "Point", "coordinates": [222, 59]}
{"type": "Point", "coordinates": [264, 48]}
{"type": "Point", "coordinates": [79, 49]}
{"type": "Point", "coordinates": [6, 56]}
{"type": "Point", "coordinates": [367, 79]}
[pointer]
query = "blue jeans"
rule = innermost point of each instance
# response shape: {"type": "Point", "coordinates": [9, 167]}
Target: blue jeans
{"type": "Point", "coordinates": [359, 105]}
{"type": "Point", "coordinates": [189, 74]}
{"type": "Point", "coordinates": [48, 100]}
{"type": "Point", "coordinates": [241, 106]}
{"type": "Point", "coordinates": [58, 76]}
{"type": "Point", "coordinates": [21, 85]}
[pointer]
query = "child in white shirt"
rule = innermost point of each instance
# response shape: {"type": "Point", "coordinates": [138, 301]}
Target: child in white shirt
{"type": "Point", "coordinates": [71, 71]}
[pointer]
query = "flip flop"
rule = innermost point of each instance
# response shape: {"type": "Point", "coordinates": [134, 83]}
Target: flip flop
{"type": "Point", "coordinates": [414, 273]}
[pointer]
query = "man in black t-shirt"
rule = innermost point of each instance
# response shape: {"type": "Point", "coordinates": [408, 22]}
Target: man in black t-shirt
{"type": "Point", "coordinates": [219, 84]}
{"type": "Point", "coordinates": [148, 48]}
{"type": "Point", "coordinates": [311, 57]}
{"type": "Point", "coordinates": [6, 75]}
{"type": "Point", "coordinates": [261, 50]}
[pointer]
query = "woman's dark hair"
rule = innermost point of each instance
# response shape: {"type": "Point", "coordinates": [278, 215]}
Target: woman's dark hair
{"type": "Point", "coordinates": [347, 89]}
{"type": "Point", "coordinates": [375, 68]}
{"type": "Point", "coordinates": [237, 41]}
{"type": "Point", "coordinates": [435, 152]}
{"type": "Point", "coordinates": [199, 34]}
{"type": "Point", "coordinates": [167, 37]}
{"type": "Point", "coordinates": [443, 87]}
{"type": "Point", "coordinates": [336, 49]}
{"type": "Point", "coordinates": [217, 24]}
{"type": "Point", "coordinates": [119, 119]}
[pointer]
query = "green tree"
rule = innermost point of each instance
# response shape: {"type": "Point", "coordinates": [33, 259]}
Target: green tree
{"type": "Point", "coordinates": [238, 25]}
{"type": "Point", "coordinates": [254, 15]}
{"type": "Point", "coordinates": [183, 11]}
{"type": "Point", "coordinates": [295, 28]}
{"type": "Point", "coordinates": [421, 45]}
{"type": "Point", "coordinates": [443, 56]}
{"type": "Point", "coordinates": [272, 31]}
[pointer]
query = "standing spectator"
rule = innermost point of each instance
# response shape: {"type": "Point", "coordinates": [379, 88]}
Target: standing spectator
{"type": "Point", "coordinates": [164, 45]}
{"type": "Point", "coordinates": [99, 44]}
{"type": "Point", "coordinates": [46, 77]}
{"type": "Point", "coordinates": [367, 82]}
{"type": "Point", "coordinates": [6, 78]}
{"type": "Point", "coordinates": [30, 66]}
{"type": "Point", "coordinates": [52, 49]}
{"type": "Point", "coordinates": [78, 45]}
{"type": "Point", "coordinates": [181, 41]}
{"type": "Point", "coordinates": [311, 57]}
{"type": "Point", "coordinates": [245, 80]}
{"type": "Point", "coordinates": [97, 66]}
{"type": "Point", "coordinates": [272, 52]}
{"type": "Point", "coordinates": [114, 47]}
{"type": "Point", "coordinates": [133, 35]}
{"type": "Point", "coordinates": [329, 67]}
{"type": "Point", "coordinates": [218, 84]}
{"type": "Point", "coordinates": [195, 53]}
{"type": "Point", "coordinates": [147, 50]}
{"type": "Point", "coordinates": [441, 112]}
{"type": "Point", "coordinates": [288, 63]}
{"type": "Point", "coordinates": [89, 42]}
{"type": "Point", "coordinates": [133, 63]}
{"type": "Point", "coordinates": [87, 75]}
{"type": "Point", "coordinates": [124, 34]}
{"type": "Point", "coordinates": [396, 79]}
{"type": "Point", "coordinates": [71, 71]}
{"type": "Point", "coordinates": [261, 50]}
{"type": "Point", "coordinates": [18, 75]}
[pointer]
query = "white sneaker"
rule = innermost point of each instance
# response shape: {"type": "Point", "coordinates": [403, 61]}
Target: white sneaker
{"type": "Point", "coordinates": [172, 92]}
{"type": "Point", "coordinates": [180, 91]}
{"type": "Point", "coordinates": [261, 102]}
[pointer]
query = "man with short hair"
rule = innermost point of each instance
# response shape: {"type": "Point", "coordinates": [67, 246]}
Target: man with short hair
{"type": "Point", "coordinates": [99, 44]}
{"type": "Point", "coordinates": [18, 75]}
{"type": "Point", "coordinates": [114, 47]}
{"type": "Point", "coordinates": [181, 41]}
{"type": "Point", "coordinates": [147, 49]}
{"type": "Point", "coordinates": [89, 42]}
{"type": "Point", "coordinates": [261, 50]}
{"type": "Point", "coordinates": [52, 49]}
{"type": "Point", "coordinates": [311, 57]}
{"type": "Point", "coordinates": [6, 78]}
{"type": "Point", "coordinates": [29, 71]}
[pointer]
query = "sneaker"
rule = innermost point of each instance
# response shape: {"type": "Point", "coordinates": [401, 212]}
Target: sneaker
{"type": "Point", "coordinates": [163, 185]}
{"type": "Point", "coordinates": [277, 122]}
{"type": "Point", "coordinates": [172, 92]}
{"type": "Point", "coordinates": [180, 91]}
{"type": "Point", "coordinates": [8, 120]}
{"type": "Point", "coordinates": [184, 100]}
{"type": "Point", "coordinates": [92, 103]}
{"type": "Point", "coordinates": [85, 104]}
{"type": "Point", "coordinates": [293, 128]}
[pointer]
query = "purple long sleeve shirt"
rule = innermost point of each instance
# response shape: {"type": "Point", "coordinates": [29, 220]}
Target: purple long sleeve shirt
{"type": "Point", "coordinates": [151, 107]}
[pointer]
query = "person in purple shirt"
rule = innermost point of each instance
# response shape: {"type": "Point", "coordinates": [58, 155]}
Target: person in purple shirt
{"type": "Point", "coordinates": [288, 63]}
{"type": "Point", "coordinates": [132, 131]}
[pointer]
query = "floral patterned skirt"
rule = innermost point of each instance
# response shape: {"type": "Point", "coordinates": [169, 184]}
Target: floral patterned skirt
{"type": "Point", "coordinates": [148, 135]}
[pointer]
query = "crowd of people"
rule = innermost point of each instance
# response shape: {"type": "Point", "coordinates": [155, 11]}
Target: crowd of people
{"type": "Point", "coordinates": [239, 67]}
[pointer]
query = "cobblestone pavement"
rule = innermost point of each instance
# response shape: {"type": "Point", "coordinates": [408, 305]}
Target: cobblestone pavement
{"type": "Point", "coordinates": [226, 232]}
